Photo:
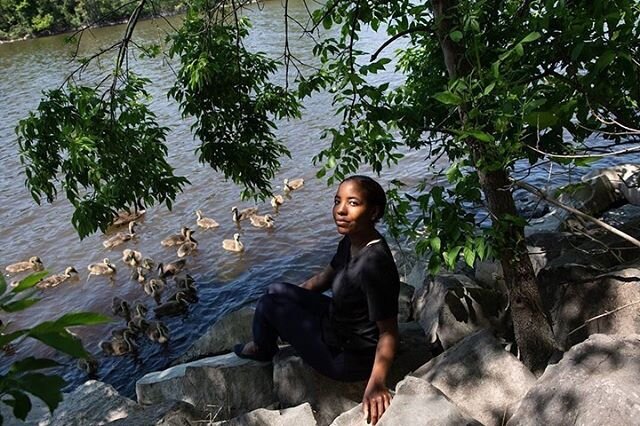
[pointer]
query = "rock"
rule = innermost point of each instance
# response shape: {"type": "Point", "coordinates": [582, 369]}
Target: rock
{"type": "Point", "coordinates": [453, 306]}
{"type": "Point", "coordinates": [169, 413]}
{"type": "Point", "coordinates": [480, 377]}
{"type": "Point", "coordinates": [417, 275]}
{"type": "Point", "coordinates": [416, 402]}
{"type": "Point", "coordinates": [229, 330]}
{"type": "Point", "coordinates": [302, 415]}
{"type": "Point", "coordinates": [572, 304]}
{"type": "Point", "coordinates": [296, 383]}
{"type": "Point", "coordinates": [595, 383]}
{"type": "Point", "coordinates": [405, 311]}
{"type": "Point", "coordinates": [237, 385]}
{"type": "Point", "coordinates": [92, 403]}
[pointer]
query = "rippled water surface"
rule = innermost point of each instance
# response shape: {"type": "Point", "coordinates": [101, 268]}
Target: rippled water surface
{"type": "Point", "coordinates": [301, 244]}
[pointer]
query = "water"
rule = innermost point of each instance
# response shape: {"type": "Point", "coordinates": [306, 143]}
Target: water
{"type": "Point", "coordinates": [300, 245]}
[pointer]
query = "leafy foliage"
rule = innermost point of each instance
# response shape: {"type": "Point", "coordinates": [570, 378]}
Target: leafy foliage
{"type": "Point", "coordinates": [25, 376]}
{"type": "Point", "coordinates": [110, 155]}
{"type": "Point", "coordinates": [226, 88]}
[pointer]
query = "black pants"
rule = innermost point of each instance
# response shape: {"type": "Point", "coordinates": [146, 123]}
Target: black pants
{"type": "Point", "coordinates": [296, 315]}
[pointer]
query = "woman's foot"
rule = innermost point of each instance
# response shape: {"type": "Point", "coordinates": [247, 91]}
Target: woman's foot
{"type": "Point", "coordinates": [250, 351]}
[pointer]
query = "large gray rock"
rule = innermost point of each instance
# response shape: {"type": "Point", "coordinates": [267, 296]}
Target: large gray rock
{"type": "Point", "coordinates": [480, 377]}
{"type": "Point", "coordinates": [295, 383]}
{"type": "Point", "coordinates": [595, 383]}
{"type": "Point", "coordinates": [416, 402]}
{"type": "Point", "coordinates": [405, 309]}
{"type": "Point", "coordinates": [574, 305]}
{"type": "Point", "coordinates": [229, 330]}
{"type": "Point", "coordinates": [302, 415]}
{"type": "Point", "coordinates": [169, 413]}
{"type": "Point", "coordinates": [234, 384]}
{"type": "Point", "coordinates": [92, 403]}
{"type": "Point", "coordinates": [452, 306]}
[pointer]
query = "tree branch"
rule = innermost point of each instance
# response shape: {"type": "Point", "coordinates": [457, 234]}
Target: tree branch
{"type": "Point", "coordinates": [577, 212]}
{"type": "Point", "coordinates": [395, 37]}
{"type": "Point", "coordinates": [602, 315]}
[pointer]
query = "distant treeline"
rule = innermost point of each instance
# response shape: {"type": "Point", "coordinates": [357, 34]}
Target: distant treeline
{"type": "Point", "coordinates": [25, 18]}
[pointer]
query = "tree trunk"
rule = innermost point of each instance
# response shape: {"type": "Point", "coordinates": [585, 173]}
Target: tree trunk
{"type": "Point", "coordinates": [533, 332]}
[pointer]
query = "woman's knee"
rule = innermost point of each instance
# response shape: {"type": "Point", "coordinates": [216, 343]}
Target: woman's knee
{"type": "Point", "coordinates": [279, 288]}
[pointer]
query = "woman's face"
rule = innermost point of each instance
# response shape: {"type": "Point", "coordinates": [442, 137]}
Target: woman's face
{"type": "Point", "coordinates": [351, 212]}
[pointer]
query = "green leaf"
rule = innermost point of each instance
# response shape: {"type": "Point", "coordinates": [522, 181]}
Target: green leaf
{"type": "Point", "coordinates": [46, 387]}
{"type": "Point", "coordinates": [448, 98]}
{"type": "Point", "coordinates": [10, 337]}
{"type": "Point", "coordinates": [456, 36]}
{"type": "Point", "coordinates": [19, 305]}
{"type": "Point", "coordinates": [469, 255]}
{"type": "Point", "coordinates": [81, 318]}
{"type": "Point", "coordinates": [489, 88]}
{"type": "Point", "coordinates": [30, 281]}
{"type": "Point", "coordinates": [32, 363]}
{"type": "Point", "coordinates": [61, 340]}
{"type": "Point", "coordinates": [3, 284]}
{"type": "Point", "coordinates": [531, 37]}
{"type": "Point", "coordinates": [479, 135]}
{"type": "Point", "coordinates": [541, 119]}
{"type": "Point", "coordinates": [435, 244]}
{"type": "Point", "coordinates": [21, 404]}
{"type": "Point", "coordinates": [451, 256]}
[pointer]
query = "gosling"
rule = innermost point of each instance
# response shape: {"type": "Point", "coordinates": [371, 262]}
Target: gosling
{"type": "Point", "coordinates": [176, 239]}
{"type": "Point", "coordinates": [121, 237]}
{"type": "Point", "coordinates": [34, 263]}
{"type": "Point", "coordinates": [205, 222]}
{"type": "Point", "coordinates": [55, 280]}
{"type": "Point", "coordinates": [293, 184]}
{"type": "Point", "coordinates": [244, 214]}
{"type": "Point", "coordinates": [265, 221]}
{"type": "Point", "coordinates": [104, 268]}
{"type": "Point", "coordinates": [234, 245]}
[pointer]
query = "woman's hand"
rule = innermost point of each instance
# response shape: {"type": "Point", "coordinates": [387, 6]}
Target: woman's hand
{"type": "Point", "coordinates": [375, 401]}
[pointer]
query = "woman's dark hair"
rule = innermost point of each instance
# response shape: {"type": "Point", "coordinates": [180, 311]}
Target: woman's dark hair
{"type": "Point", "coordinates": [374, 193]}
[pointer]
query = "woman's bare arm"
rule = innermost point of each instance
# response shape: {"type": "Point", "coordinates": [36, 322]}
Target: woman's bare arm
{"type": "Point", "coordinates": [321, 281]}
{"type": "Point", "coordinates": [377, 397]}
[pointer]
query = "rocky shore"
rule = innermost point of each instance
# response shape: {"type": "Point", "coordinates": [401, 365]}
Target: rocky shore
{"type": "Point", "coordinates": [590, 284]}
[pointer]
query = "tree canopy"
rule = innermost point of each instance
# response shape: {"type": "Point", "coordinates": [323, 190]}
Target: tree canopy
{"type": "Point", "coordinates": [492, 85]}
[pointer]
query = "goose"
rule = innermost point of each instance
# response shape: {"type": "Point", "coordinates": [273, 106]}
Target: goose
{"type": "Point", "coordinates": [121, 308]}
{"type": "Point", "coordinates": [234, 245]}
{"type": "Point", "coordinates": [277, 201]}
{"type": "Point", "coordinates": [185, 285]}
{"type": "Point", "coordinates": [89, 365]}
{"type": "Point", "coordinates": [55, 280]}
{"type": "Point", "coordinates": [205, 222]}
{"type": "Point", "coordinates": [140, 310]}
{"type": "Point", "coordinates": [171, 268]}
{"type": "Point", "coordinates": [293, 184]}
{"type": "Point", "coordinates": [176, 306]}
{"type": "Point", "coordinates": [265, 221]}
{"type": "Point", "coordinates": [140, 274]}
{"type": "Point", "coordinates": [104, 268]}
{"type": "Point", "coordinates": [132, 257]}
{"type": "Point", "coordinates": [121, 237]}
{"type": "Point", "coordinates": [176, 239]}
{"type": "Point", "coordinates": [119, 344]}
{"type": "Point", "coordinates": [34, 263]}
{"type": "Point", "coordinates": [126, 216]}
{"type": "Point", "coordinates": [238, 215]}
{"type": "Point", "coordinates": [158, 332]}
{"type": "Point", "coordinates": [148, 263]}
{"type": "Point", "coordinates": [138, 324]}
{"type": "Point", "coordinates": [188, 247]}
{"type": "Point", "coordinates": [155, 288]}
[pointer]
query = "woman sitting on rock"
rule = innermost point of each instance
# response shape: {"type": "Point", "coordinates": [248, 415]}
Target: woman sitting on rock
{"type": "Point", "coordinates": [353, 335]}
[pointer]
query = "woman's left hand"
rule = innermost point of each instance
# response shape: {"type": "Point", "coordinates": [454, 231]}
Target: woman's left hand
{"type": "Point", "coordinates": [375, 401]}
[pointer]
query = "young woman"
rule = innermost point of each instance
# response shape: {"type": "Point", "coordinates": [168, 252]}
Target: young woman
{"type": "Point", "coordinates": [353, 335]}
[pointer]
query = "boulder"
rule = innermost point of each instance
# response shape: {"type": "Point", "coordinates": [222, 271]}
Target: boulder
{"type": "Point", "coordinates": [92, 403]}
{"type": "Point", "coordinates": [597, 305]}
{"type": "Point", "coordinates": [452, 306]}
{"type": "Point", "coordinates": [302, 415]}
{"type": "Point", "coordinates": [405, 311]}
{"type": "Point", "coordinates": [416, 402]}
{"type": "Point", "coordinates": [595, 383]}
{"type": "Point", "coordinates": [233, 384]}
{"type": "Point", "coordinates": [169, 413]}
{"type": "Point", "coordinates": [480, 377]}
{"type": "Point", "coordinates": [295, 383]}
{"type": "Point", "coordinates": [220, 338]}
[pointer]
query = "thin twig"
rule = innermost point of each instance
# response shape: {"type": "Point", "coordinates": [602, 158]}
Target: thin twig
{"type": "Point", "coordinates": [606, 313]}
{"type": "Point", "coordinates": [577, 212]}
{"type": "Point", "coordinates": [395, 37]}
{"type": "Point", "coordinates": [578, 156]}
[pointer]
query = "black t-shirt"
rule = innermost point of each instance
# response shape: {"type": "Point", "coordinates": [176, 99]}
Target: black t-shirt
{"type": "Point", "coordinates": [365, 290]}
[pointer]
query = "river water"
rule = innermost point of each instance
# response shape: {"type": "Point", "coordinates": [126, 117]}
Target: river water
{"type": "Point", "coordinates": [301, 243]}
